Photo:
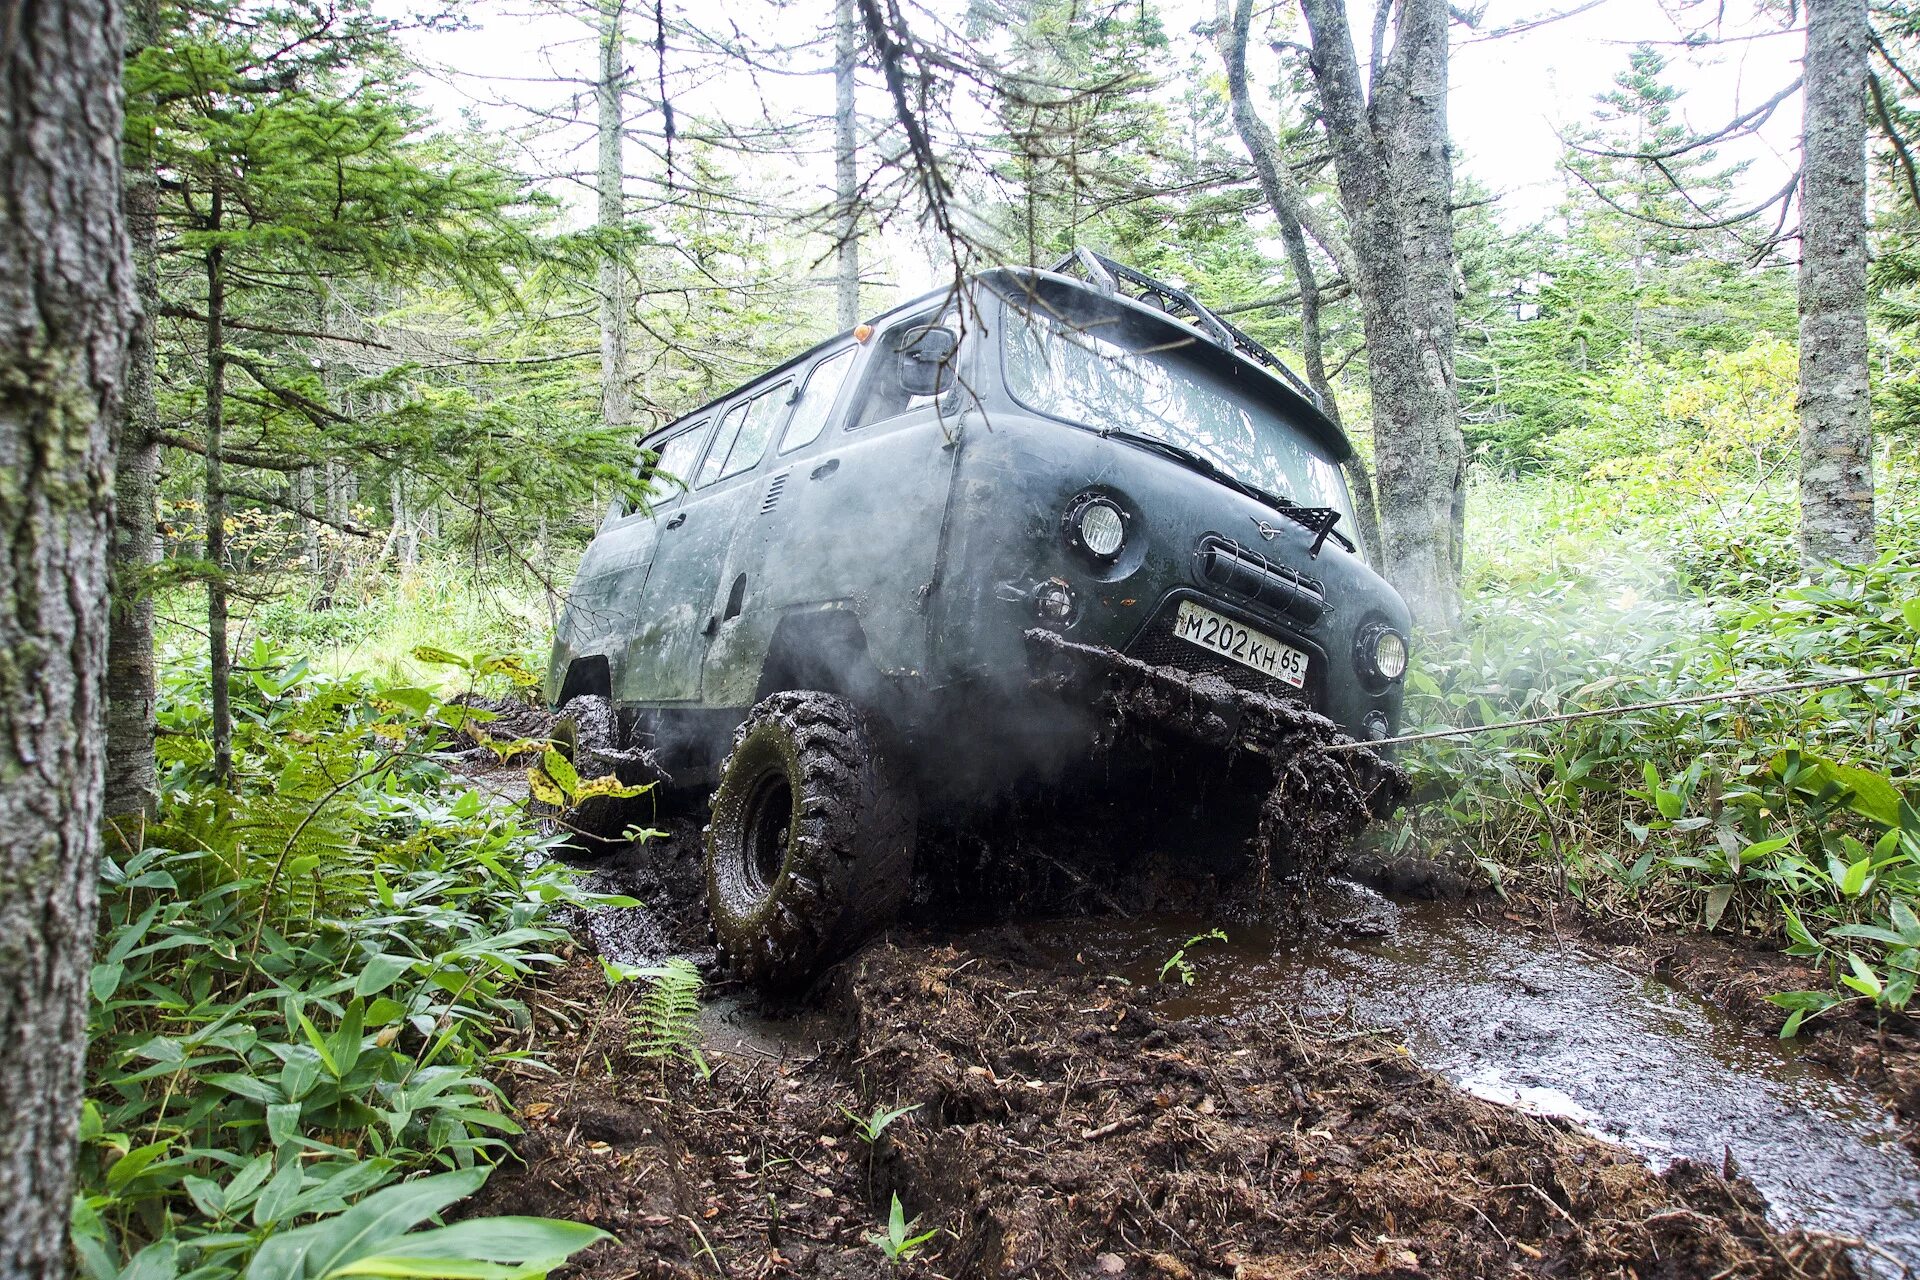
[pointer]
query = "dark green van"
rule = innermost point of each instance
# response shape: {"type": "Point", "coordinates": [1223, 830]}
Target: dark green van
{"type": "Point", "coordinates": [830, 596]}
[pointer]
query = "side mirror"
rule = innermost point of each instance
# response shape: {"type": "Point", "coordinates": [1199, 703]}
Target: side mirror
{"type": "Point", "coordinates": [926, 360]}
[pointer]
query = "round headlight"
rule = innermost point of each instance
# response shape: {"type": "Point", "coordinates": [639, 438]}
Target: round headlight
{"type": "Point", "coordinates": [1389, 654]}
{"type": "Point", "coordinates": [1102, 529]}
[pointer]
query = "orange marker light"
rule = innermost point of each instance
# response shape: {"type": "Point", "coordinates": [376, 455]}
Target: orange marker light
{"type": "Point", "coordinates": [861, 332]}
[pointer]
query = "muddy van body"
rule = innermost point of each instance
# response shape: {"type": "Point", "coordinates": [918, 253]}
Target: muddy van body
{"type": "Point", "coordinates": [850, 557]}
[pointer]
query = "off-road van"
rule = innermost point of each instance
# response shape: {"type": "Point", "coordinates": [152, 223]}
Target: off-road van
{"type": "Point", "coordinates": [833, 598]}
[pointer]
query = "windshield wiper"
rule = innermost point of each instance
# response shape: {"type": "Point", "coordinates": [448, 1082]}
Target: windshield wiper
{"type": "Point", "coordinates": [1318, 520]}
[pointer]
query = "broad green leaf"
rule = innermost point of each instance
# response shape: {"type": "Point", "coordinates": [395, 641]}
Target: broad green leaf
{"type": "Point", "coordinates": [380, 972]}
{"type": "Point", "coordinates": [368, 1229]}
{"type": "Point", "coordinates": [283, 1123]}
{"type": "Point", "coordinates": [438, 656]}
{"type": "Point", "coordinates": [561, 770]}
{"type": "Point", "coordinates": [133, 1164]}
{"type": "Point", "coordinates": [1862, 979]}
{"type": "Point", "coordinates": [1906, 922]}
{"type": "Point", "coordinates": [1854, 882]}
{"type": "Point", "coordinates": [1717, 899]}
{"type": "Point", "coordinates": [505, 1239]}
{"type": "Point", "coordinates": [279, 1196]}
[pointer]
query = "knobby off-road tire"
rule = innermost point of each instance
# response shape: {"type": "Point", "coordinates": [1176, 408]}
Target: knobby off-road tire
{"type": "Point", "coordinates": [810, 847]}
{"type": "Point", "coordinates": [587, 732]}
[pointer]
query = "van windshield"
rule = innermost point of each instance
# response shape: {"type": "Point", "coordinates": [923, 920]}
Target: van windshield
{"type": "Point", "coordinates": [1105, 377]}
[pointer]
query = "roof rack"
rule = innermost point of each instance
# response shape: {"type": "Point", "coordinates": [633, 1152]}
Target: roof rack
{"type": "Point", "coordinates": [1107, 275]}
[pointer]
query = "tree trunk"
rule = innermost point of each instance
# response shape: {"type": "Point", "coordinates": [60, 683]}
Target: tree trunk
{"type": "Point", "coordinates": [218, 659]}
{"type": "Point", "coordinates": [1313, 352]}
{"type": "Point", "coordinates": [1836, 429]}
{"type": "Point", "coordinates": [1269, 165]}
{"type": "Point", "coordinates": [1395, 180]}
{"type": "Point", "coordinates": [132, 780]}
{"type": "Point", "coordinates": [610, 90]}
{"type": "Point", "coordinates": [846, 176]}
{"type": "Point", "coordinates": [66, 305]}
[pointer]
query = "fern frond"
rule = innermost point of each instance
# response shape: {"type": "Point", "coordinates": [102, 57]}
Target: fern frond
{"type": "Point", "coordinates": [666, 1021]}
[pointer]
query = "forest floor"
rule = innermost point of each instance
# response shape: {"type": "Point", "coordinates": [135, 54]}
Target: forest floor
{"type": "Point", "coordinates": [1074, 1115]}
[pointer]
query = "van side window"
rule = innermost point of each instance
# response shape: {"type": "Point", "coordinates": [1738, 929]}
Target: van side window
{"type": "Point", "coordinates": [883, 396]}
{"type": "Point", "coordinates": [672, 470]}
{"type": "Point", "coordinates": [816, 401]}
{"type": "Point", "coordinates": [744, 433]}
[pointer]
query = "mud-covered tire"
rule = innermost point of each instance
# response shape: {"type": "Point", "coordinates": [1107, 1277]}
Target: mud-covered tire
{"type": "Point", "coordinates": [810, 846]}
{"type": "Point", "coordinates": [587, 732]}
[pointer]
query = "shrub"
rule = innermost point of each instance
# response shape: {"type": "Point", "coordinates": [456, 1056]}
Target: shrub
{"type": "Point", "coordinates": [302, 988]}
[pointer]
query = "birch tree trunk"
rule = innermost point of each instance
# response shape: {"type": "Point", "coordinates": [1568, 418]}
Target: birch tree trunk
{"type": "Point", "coordinates": [611, 92]}
{"type": "Point", "coordinates": [66, 306]}
{"type": "Point", "coordinates": [846, 177]}
{"type": "Point", "coordinates": [132, 780]}
{"type": "Point", "coordinates": [1396, 183]}
{"type": "Point", "coordinates": [1836, 431]}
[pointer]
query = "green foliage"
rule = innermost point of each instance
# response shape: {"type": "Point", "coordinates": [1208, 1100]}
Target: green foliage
{"type": "Point", "coordinates": [1177, 963]}
{"type": "Point", "coordinates": [303, 984]}
{"type": "Point", "coordinates": [897, 1242]}
{"type": "Point", "coordinates": [870, 1129]}
{"type": "Point", "coordinates": [665, 1022]}
{"type": "Point", "coordinates": [1788, 817]}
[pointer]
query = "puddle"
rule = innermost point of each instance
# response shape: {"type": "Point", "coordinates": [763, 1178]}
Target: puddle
{"type": "Point", "coordinates": [1515, 1017]}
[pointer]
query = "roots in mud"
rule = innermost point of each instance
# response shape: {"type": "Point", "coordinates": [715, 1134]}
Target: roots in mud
{"type": "Point", "coordinates": [1316, 801]}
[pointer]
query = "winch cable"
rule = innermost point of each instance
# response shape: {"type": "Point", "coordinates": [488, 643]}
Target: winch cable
{"type": "Point", "coordinates": [1694, 700]}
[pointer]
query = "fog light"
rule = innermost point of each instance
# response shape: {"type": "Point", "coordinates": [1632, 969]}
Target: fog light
{"type": "Point", "coordinates": [1054, 603]}
{"type": "Point", "coordinates": [1376, 723]}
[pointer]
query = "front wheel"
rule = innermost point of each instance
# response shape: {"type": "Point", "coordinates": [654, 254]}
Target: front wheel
{"type": "Point", "coordinates": [810, 848]}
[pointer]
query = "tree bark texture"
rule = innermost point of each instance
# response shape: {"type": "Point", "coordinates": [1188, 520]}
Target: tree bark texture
{"type": "Point", "coordinates": [611, 93]}
{"type": "Point", "coordinates": [846, 176]}
{"type": "Point", "coordinates": [1269, 163]}
{"type": "Point", "coordinates": [1395, 178]}
{"type": "Point", "coordinates": [1836, 430]}
{"type": "Point", "coordinates": [66, 303]}
{"type": "Point", "coordinates": [132, 787]}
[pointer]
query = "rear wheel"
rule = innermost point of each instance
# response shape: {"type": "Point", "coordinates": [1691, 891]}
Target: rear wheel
{"type": "Point", "coordinates": [810, 848]}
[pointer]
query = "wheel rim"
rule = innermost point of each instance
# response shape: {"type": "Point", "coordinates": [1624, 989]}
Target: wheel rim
{"type": "Point", "coordinates": [769, 820]}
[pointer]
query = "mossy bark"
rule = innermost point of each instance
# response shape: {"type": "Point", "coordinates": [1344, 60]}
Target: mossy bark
{"type": "Point", "coordinates": [1836, 430]}
{"type": "Point", "coordinates": [132, 780]}
{"type": "Point", "coordinates": [66, 304]}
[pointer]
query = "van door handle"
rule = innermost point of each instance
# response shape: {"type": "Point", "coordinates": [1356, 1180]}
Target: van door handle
{"type": "Point", "coordinates": [678, 520]}
{"type": "Point", "coordinates": [825, 469]}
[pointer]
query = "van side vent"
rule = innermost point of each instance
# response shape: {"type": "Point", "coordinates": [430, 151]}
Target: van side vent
{"type": "Point", "coordinates": [775, 487]}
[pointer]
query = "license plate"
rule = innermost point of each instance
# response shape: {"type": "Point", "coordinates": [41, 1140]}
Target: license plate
{"type": "Point", "coordinates": [1249, 648]}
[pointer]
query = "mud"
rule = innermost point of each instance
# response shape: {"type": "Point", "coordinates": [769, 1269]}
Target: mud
{"type": "Point", "coordinates": [1315, 802]}
{"type": "Point", "coordinates": [1072, 1123]}
{"type": "Point", "coordinates": [1554, 1026]}
{"type": "Point", "coordinates": [1735, 974]}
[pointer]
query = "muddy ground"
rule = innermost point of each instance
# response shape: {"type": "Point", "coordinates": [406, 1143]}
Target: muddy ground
{"type": "Point", "coordinates": [1067, 1121]}
{"type": "Point", "coordinates": [1880, 1049]}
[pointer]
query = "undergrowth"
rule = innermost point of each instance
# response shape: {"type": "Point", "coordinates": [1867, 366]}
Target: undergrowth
{"type": "Point", "coordinates": [304, 985]}
{"type": "Point", "coordinates": [1788, 818]}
